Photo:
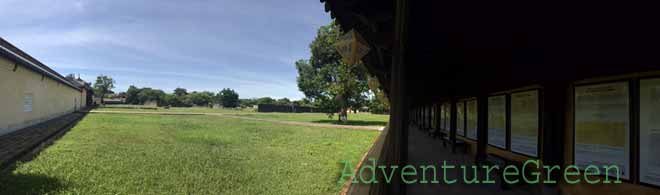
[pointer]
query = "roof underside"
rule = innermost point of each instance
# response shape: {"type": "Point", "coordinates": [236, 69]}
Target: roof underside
{"type": "Point", "coordinates": [455, 48]}
{"type": "Point", "coordinates": [374, 20]}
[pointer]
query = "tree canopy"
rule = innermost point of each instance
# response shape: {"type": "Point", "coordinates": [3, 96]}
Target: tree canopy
{"type": "Point", "coordinates": [326, 81]}
{"type": "Point", "coordinates": [103, 86]}
{"type": "Point", "coordinates": [228, 98]}
{"type": "Point", "coordinates": [181, 97]}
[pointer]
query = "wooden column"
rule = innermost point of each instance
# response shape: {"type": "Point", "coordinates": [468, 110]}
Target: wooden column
{"type": "Point", "coordinates": [429, 119]}
{"type": "Point", "coordinates": [436, 120]}
{"type": "Point", "coordinates": [482, 127]}
{"type": "Point", "coordinates": [395, 147]}
{"type": "Point", "coordinates": [400, 102]}
{"type": "Point", "coordinates": [554, 104]}
{"type": "Point", "coordinates": [452, 123]}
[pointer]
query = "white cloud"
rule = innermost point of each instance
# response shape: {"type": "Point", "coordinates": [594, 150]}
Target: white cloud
{"type": "Point", "coordinates": [201, 44]}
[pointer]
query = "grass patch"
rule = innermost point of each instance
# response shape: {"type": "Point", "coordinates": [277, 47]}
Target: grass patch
{"type": "Point", "coordinates": [160, 154]}
{"type": "Point", "coordinates": [358, 119]}
{"type": "Point", "coordinates": [172, 109]}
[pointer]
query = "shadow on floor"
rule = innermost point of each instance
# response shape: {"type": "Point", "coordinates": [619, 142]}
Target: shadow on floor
{"type": "Point", "coordinates": [34, 139]}
{"type": "Point", "coordinates": [425, 150]}
{"type": "Point", "coordinates": [352, 122]}
{"type": "Point", "coordinates": [29, 184]}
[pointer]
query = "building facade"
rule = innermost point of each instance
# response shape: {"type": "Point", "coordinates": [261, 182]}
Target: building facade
{"type": "Point", "coordinates": [32, 92]}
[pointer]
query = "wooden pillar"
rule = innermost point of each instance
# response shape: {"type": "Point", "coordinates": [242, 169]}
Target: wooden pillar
{"type": "Point", "coordinates": [507, 124]}
{"type": "Point", "coordinates": [425, 117]}
{"type": "Point", "coordinates": [398, 128]}
{"type": "Point", "coordinates": [554, 105]}
{"type": "Point", "coordinates": [482, 127]}
{"type": "Point", "coordinates": [395, 147]}
{"type": "Point", "coordinates": [419, 116]}
{"type": "Point", "coordinates": [436, 120]}
{"type": "Point", "coordinates": [430, 107]}
{"type": "Point", "coordinates": [400, 102]}
{"type": "Point", "coordinates": [453, 113]}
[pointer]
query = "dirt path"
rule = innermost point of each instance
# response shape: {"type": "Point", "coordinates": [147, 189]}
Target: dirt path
{"type": "Point", "coordinates": [371, 128]}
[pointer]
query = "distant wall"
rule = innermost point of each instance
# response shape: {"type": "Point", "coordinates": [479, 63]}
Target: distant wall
{"type": "Point", "coordinates": [28, 98]}
{"type": "Point", "coordinates": [282, 108]}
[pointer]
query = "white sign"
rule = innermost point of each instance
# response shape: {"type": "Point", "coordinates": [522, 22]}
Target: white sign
{"type": "Point", "coordinates": [352, 47]}
{"type": "Point", "coordinates": [525, 122]}
{"type": "Point", "coordinates": [602, 127]}
{"type": "Point", "coordinates": [497, 121]}
{"type": "Point", "coordinates": [649, 165]}
{"type": "Point", "coordinates": [460, 121]}
{"type": "Point", "coordinates": [472, 123]}
{"type": "Point", "coordinates": [27, 102]}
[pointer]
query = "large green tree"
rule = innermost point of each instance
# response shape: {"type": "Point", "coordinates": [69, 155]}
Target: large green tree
{"type": "Point", "coordinates": [132, 95]}
{"type": "Point", "coordinates": [329, 83]}
{"type": "Point", "coordinates": [204, 98]}
{"type": "Point", "coordinates": [228, 98]}
{"type": "Point", "coordinates": [180, 98]}
{"type": "Point", "coordinates": [283, 101]}
{"type": "Point", "coordinates": [266, 100]}
{"type": "Point", "coordinates": [103, 86]}
{"type": "Point", "coordinates": [180, 92]}
{"type": "Point", "coordinates": [149, 94]}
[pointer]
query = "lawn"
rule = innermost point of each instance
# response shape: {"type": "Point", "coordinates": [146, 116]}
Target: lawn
{"type": "Point", "coordinates": [160, 154]}
{"type": "Point", "coordinates": [358, 119]}
{"type": "Point", "coordinates": [129, 108]}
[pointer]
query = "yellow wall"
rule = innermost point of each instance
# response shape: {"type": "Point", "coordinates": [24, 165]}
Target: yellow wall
{"type": "Point", "coordinates": [50, 98]}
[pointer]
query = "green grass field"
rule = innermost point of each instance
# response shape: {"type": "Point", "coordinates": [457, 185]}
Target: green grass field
{"type": "Point", "coordinates": [358, 119]}
{"type": "Point", "coordinates": [161, 109]}
{"type": "Point", "coordinates": [160, 154]}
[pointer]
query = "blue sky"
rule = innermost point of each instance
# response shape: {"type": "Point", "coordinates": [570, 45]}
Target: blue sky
{"type": "Point", "coordinates": [247, 45]}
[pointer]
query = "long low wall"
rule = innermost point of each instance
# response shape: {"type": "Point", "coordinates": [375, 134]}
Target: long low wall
{"type": "Point", "coordinates": [28, 98]}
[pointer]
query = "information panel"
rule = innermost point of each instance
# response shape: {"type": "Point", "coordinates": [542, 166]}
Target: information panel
{"type": "Point", "coordinates": [497, 121]}
{"type": "Point", "coordinates": [649, 127]}
{"type": "Point", "coordinates": [27, 102]}
{"type": "Point", "coordinates": [460, 119]}
{"type": "Point", "coordinates": [525, 122]}
{"type": "Point", "coordinates": [602, 127]}
{"type": "Point", "coordinates": [472, 119]}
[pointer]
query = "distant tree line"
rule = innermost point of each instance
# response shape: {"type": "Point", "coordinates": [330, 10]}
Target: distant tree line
{"type": "Point", "coordinates": [268, 100]}
{"type": "Point", "coordinates": [180, 97]}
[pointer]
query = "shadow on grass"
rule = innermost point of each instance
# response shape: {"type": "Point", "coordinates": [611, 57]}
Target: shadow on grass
{"type": "Point", "coordinates": [353, 122]}
{"type": "Point", "coordinates": [29, 184]}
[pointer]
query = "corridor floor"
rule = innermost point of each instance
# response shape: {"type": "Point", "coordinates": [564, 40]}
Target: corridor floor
{"type": "Point", "coordinates": [425, 150]}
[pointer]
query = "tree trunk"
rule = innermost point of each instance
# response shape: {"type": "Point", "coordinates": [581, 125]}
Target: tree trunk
{"type": "Point", "coordinates": [343, 115]}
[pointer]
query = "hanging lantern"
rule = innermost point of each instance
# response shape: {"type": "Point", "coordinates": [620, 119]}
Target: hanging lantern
{"type": "Point", "coordinates": [352, 47]}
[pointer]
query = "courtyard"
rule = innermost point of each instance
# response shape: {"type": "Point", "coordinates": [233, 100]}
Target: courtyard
{"type": "Point", "coordinates": [128, 153]}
